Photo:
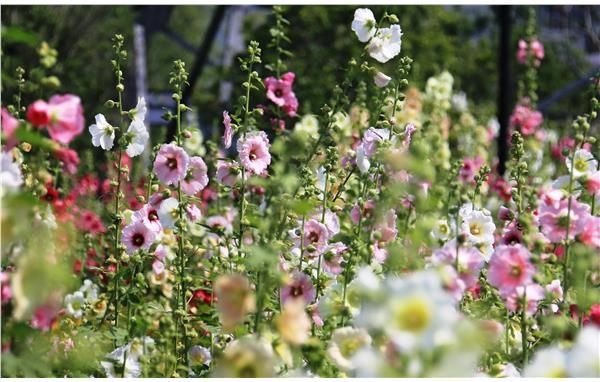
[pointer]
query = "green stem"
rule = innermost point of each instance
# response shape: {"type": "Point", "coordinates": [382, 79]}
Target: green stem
{"type": "Point", "coordinates": [524, 331]}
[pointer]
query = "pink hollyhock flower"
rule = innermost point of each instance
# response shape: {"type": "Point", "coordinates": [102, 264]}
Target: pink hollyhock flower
{"type": "Point", "coordinates": [228, 135]}
{"type": "Point", "coordinates": [316, 234]}
{"type": "Point", "coordinates": [44, 317]}
{"type": "Point", "coordinates": [161, 252]}
{"type": "Point", "coordinates": [280, 93]}
{"type": "Point", "coordinates": [171, 164]}
{"type": "Point", "coordinates": [220, 222]}
{"type": "Point", "coordinates": [90, 222]}
{"type": "Point", "coordinates": [537, 49]}
{"type": "Point", "coordinates": [470, 261]}
{"type": "Point", "coordinates": [37, 113]}
{"type": "Point", "coordinates": [380, 253]}
{"type": "Point", "coordinates": [136, 236]}
{"type": "Point", "coordinates": [366, 213]}
{"type": "Point", "coordinates": [372, 138]}
{"type": "Point", "coordinates": [408, 133]}
{"type": "Point", "coordinates": [592, 183]}
{"type": "Point", "coordinates": [300, 287]}
{"type": "Point", "coordinates": [512, 235]}
{"type": "Point", "coordinates": [193, 213]}
{"type": "Point", "coordinates": [522, 52]}
{"type": "Point", "coordinates": [315, 315]}
{"type": "Point", "coordinates": [227, 173]}
{"type": "Point", "coordinates": [588, 231]}
{"type": "Point", "coordinates": [158, 267]}
{"type": "Point", "coordinates": [451, 282]}
{"type": "Point", "coordinates": [8, 124]}
{"type": "Point", "coordinates": [5, 290]}
{"type": "Point", "coordinates": [69, 158]}
{"type": "Point", "coordinates": [505, 214]}
{"type": "Point", "coordinates": [470, 168]}
{"type": "Point", "coordinates": [196, 178]}
{"type": "Point", "coordinates": [148, 215]}
{"type": "Point", "coordinates": [65, 115]}
{"type": "Point", "coordinates": [386, 226]}
{"type": "Point", "coordinates": [254, 152]}
{"type": "Point", "coordinates": [332, 258]}
{"type": "Point", "coordinates": [553, 217]}
{"type": "Point", "coordinates": [291, 105]}
{"type": "Point", "coordinates": [531, 293]}
{"type": "Point", "coordinates": [331, 221]}
{"type": "Point", "coordinates": [510, 268]}
{"type": "Point", "coordinates": [526, 119]}
{"type": "Point", "coordinates": [556, 291]}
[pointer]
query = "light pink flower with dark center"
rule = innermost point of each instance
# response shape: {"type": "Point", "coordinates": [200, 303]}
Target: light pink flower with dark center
{"type": "Point", "coordinates": [510, 268]}
{"type": "Point", "coordinates": [470, 261]}
{"type": "Point", "coordinates": [171, 164]}
{"type": "Point", "coordinates": [196, 178]}
{"type": "Point", "coordinates": [588, 231]}
{"type": "Point", "coordinates": [193, 212]}
{"type": "Point", "coordinates": [531, 293]}
{"type": "Point", "coordinates": [254, 152]}
{"type": "Point", "coordinates": [554, 218]}
{"type": "Point", "coordinates": [367, 212]}
{"type": "Point", "coordinates": [227, 174]}
{"type": "Point", "coordinates": [228, 134]}
{"type": "Point", "coordinates": [148, 215]}
{"type": "Point", "coordinates": [315, 234]}
{"type": "Point", "coordinates": [299, 287]}
{"type": "Point", "coordinates": [137, 236]}
{"type": "Point", "coordinates": [332, 258]}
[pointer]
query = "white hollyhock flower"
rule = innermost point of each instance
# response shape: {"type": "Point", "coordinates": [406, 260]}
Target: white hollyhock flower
{"type": "Point", "coordinates": [549, 363]}
{"type": "Point", "coordinates": [103, 134]}
{"type": "Point", "coordinates": [442, 230]}
{"type": "Point", "coordinates": [364, 24]}
{"type": "Point", "coordinates": [309, 125]}
{"type": "Point", "coordinates": [199, 355]}
{"type": "Point", "coordinates": [344, 344]}
{"type": "Point", "coordinates": [478, 226]}
{"type": "Point", "coordinates": [386, 43]}
{"type": "Point", "coordinates": [139, 138]}
{"type": "Point", "coordinates": [90, 291]}
{"type": "Point", "coordinates": [362, 160]}
{"type": "Point", "coordinates": [139, 113]}
{"type": "Point", "coordinates": [583, 360]}
{"type": "Point", "coordinates": [127, 358]}
{"type": "Point", "coordinates": [583, 163]}
{"type": "Point", "coordinates": [168, 212]}
{"type": "Point", "coordinates": [459, 101]}
{"type": "Point", "coordinates": [381, 79]}
{"type": "Point", "coordinates": [74, 304]}
{"type": "Point", "coordinates": [11, 177]}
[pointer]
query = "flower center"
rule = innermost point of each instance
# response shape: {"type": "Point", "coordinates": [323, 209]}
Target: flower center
{"type": "Point", "coordinates": [152, 215]}
{"type": "Point", "coordinates": [515, 271]}
{"type": "Point", "coordinates": [475, 229]}
{"type": "Point", "coordinates": [313, 237]}
{"type": "Point", "coordinates": [412, 315]}
{"type": "Point", "coordinates": [172, 163]}
{"type": "Point", "coordinates": [296, 291]}
{"type": "Point", "coordinates": [252, 155]}
{"type": "Point", "coordinates": [580, 164]}
{"type": "Point", "coordinates": [278, 93]}
{"type": "Point", "coordinates": [138, 239]}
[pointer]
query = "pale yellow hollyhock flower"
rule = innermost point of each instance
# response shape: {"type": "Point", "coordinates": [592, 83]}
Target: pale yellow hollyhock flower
{"type": "Point", "coordinates": [293, 323]}
{"type": "Point", "coordinates": [234, 299]}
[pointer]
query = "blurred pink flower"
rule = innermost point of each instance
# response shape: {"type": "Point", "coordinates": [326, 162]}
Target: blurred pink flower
{"type": "Point", "coordinates": [315, 234]}
{"type": "Point", "coordinates": [171, 164]}
{"type": "Point", "coordinates": [553, 217]}
{"type": "Point", "coordinates": [298, 287]}
{"type": "Point", "coordinates": [228, 134]}
{"type": "Point", "coordinates": [254, 152]}
{"type": "Point", "coordinates": [526, 119]}
{"type": "Point", "coordinates": [332, 258]}
{"type": "Point", "coordinates": [510, 267]}
{"type": "Point", "coordinates": [65, 118]}
{"type": "Point", "coordinates": [5, 290]}
{"type": "Point", "coordinates": [69, 158]}
{"type": "Point", "coordinates": [531, 293]}
{"type": "Point", "coordinates": [470, 168]}
{"type": "Point", "coordinates": [225, 173]}
{"type": "Point", "coordinates": [37, 113]}
{"type": "Point", "coordinates": [281, 94]}
{"type": "Point", "coordinates": [9, 124]}
{"type": "Point", "coordinates": [196, 178]}
{"type": "Point", "coordinates": [44, 317]}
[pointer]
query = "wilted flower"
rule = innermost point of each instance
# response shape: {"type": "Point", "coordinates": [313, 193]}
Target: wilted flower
{"type": "Point", "coordinates": [228, 134]}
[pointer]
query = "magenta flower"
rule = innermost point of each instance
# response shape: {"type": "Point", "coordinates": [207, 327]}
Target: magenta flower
{"type": "Point", "coordinates": [526, 119]}
{"type": "Point", "coordinates": [281, 94]}
{"type": "Point", "coordinates": [171, 164]}
{"type": "Point", "coordinates": [136, 236]}
{"type": "Point", "coordinates": [148, 215]}
{"type": "Point", "coordinates": [228, 135]}
{"type": "Point", "coordinates": [510, 268]}
{"type": "Point", "coordinates": [299, 287]}
{"type": "Point", "coordinates": [254, 152]}
{"type": "Point", "coordinates": [44, 317]}
{"type": "Point", "coordinates": [196, 178]}
{"type": "Point", "coordinates": [315, 234]}
{"type": "Point", "coordinates": [226, 173]}
{"type": "Point", "coordinates": [69, 159]}
{"type": "Point", "coordinates": [5, 291]}
{"type": "Point", "coordinates": [469, 169]}
{"type": "Point", "coordinates": [65, 118]}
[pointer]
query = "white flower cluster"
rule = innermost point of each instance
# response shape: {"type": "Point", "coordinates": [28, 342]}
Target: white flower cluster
{"type": "Point", "coordinates": [438, 90]}
{"type": "Point", "coordinates": [75, 303]}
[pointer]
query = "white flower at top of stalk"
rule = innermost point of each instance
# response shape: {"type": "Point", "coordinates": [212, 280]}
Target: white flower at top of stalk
{"type": "Point", "coordinates": [139, 113]}
{"type": "Point", "coordinates": [386, 43]}
{"type": "Point", "coordinates": [364, 24]}
{"type": "Point", "coordinates": [583, 163]}
{"type": "Point", "coordinates": [103, 133]}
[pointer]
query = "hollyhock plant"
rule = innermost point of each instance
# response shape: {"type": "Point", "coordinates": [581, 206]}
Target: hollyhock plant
{"type": "Point", "coordinates": [148, 215]}
{"type": "Point", "coordinates": [317, 235]}
{"type": "Point", "coordinates": [103, 134]}
{"type": "Point", "coordinates": [137, 236]}
{"type": "Point", "coordinates": [196, 178]}
{"type": "Point", "coordinates": [62, 115]}
{"type": "Point", "coordinates": [300, 287]}
{"type": "Point", "coordinates": [228, 134]}
{"type": "Point", "coordinates": [227, 173]}
{"type": "Point", "coordinates": [253, 150]}
{"type": "Point", "coordinates": [171, 164]}
{"type": "Point", "coordinates": [279, 91]}
{"type": "Point", "coordinates": [526, 119]}
{"type": "Point", "coordinates": [510, 268]}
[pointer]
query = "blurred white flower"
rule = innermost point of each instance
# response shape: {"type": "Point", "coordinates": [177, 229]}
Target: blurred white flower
{"type": "Point", "coordinates": [127, 357]}
{"type": "Point", "coordinates": [247, 357]}
{"type": "Point", "coordinates": [90, 291]}
{"type": "Point", "coordinates": [103, 133]}
{"type": "Point", "coordinates": [168, 212]}
{"type": "Point", "coordinates": [75, 303]}
{"type": "Point", "coordinates": [199, 355]}
{"type": "Point", "coordinates": [549, 363]}
{"type": "Point", "coordinates": [459, 101]}
{"type": "Point", "coordinates": [309, 125]}
{"type": "Point", "coordinates": [583, 163]}
{"type": "Point", "coordinates": [381, 79]}
{"type": "Point", "coordinates": [442, 230]}
{"type": "Point", "coordinates": [583, 359]}
{"type": "Point", "coordinates": [11, 177]}
{"type": "Point", "coordinates": [139, 138]}
{"type": "Point", "coordinates": [364, 24]}
{"type": "Point", "coordinates": [344, 344]}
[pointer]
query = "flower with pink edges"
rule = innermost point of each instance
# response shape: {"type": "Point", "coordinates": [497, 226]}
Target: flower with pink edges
{"type": "Point", "coordinates": [227, 173]}
{"type": "Point", "coordinates": [331, 221]}
{"type": "Point", "coordinates": [279, 91]}
{"type": "Point", "coordinates": [535, 49]}
{"type": "Point", "coordinates": [193, 212]}
{"type": "Point", "coordinates": [532, 294]}
{"type": "Point", "coordinates": [510, 268]}
{"type": "Point", "coordinates": [592, 183]}
{"type": "Point", "coordinates": [148, 215]}
{"type": "Point", "coordinates": [228, 134]}
{"type": "Point", "coordinates": [161, 252]}
{"type": "Point", "coordinates": [196, 178]}
{"type": "Point", "coordinates": [526, 119]}
{"type": "Point", "coordinates": [64, 118]}
{"type": "Point", "coordinates": [44, 317]}
{"type": "Point", "coordinates": [554, 217]}
{"type": "Point", "coordinates": [8, 125]}
{"type": "Point", "coordinates": [332, 258]}
{"type": "Point", "coordinates": [171, 164]}
{"type": "Point", "coordinates": [356, 214]}
{"type": "Point", "coordinates": [315, 234]}
{"type": "Point", "coordinates": [300, 287]}
{"type": "Point", "coordinates": [90, 222]}
{"type": "Point", "coordinates": [137, 236]}
{"type": "Point", "coordinates": [470, 261]}
{"type": "Point", "coordinates": [386, 226]}
{"type": "Point", "coordinates": [588, 230]}
{"type": "Point", "coordinates": [253, 150]}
